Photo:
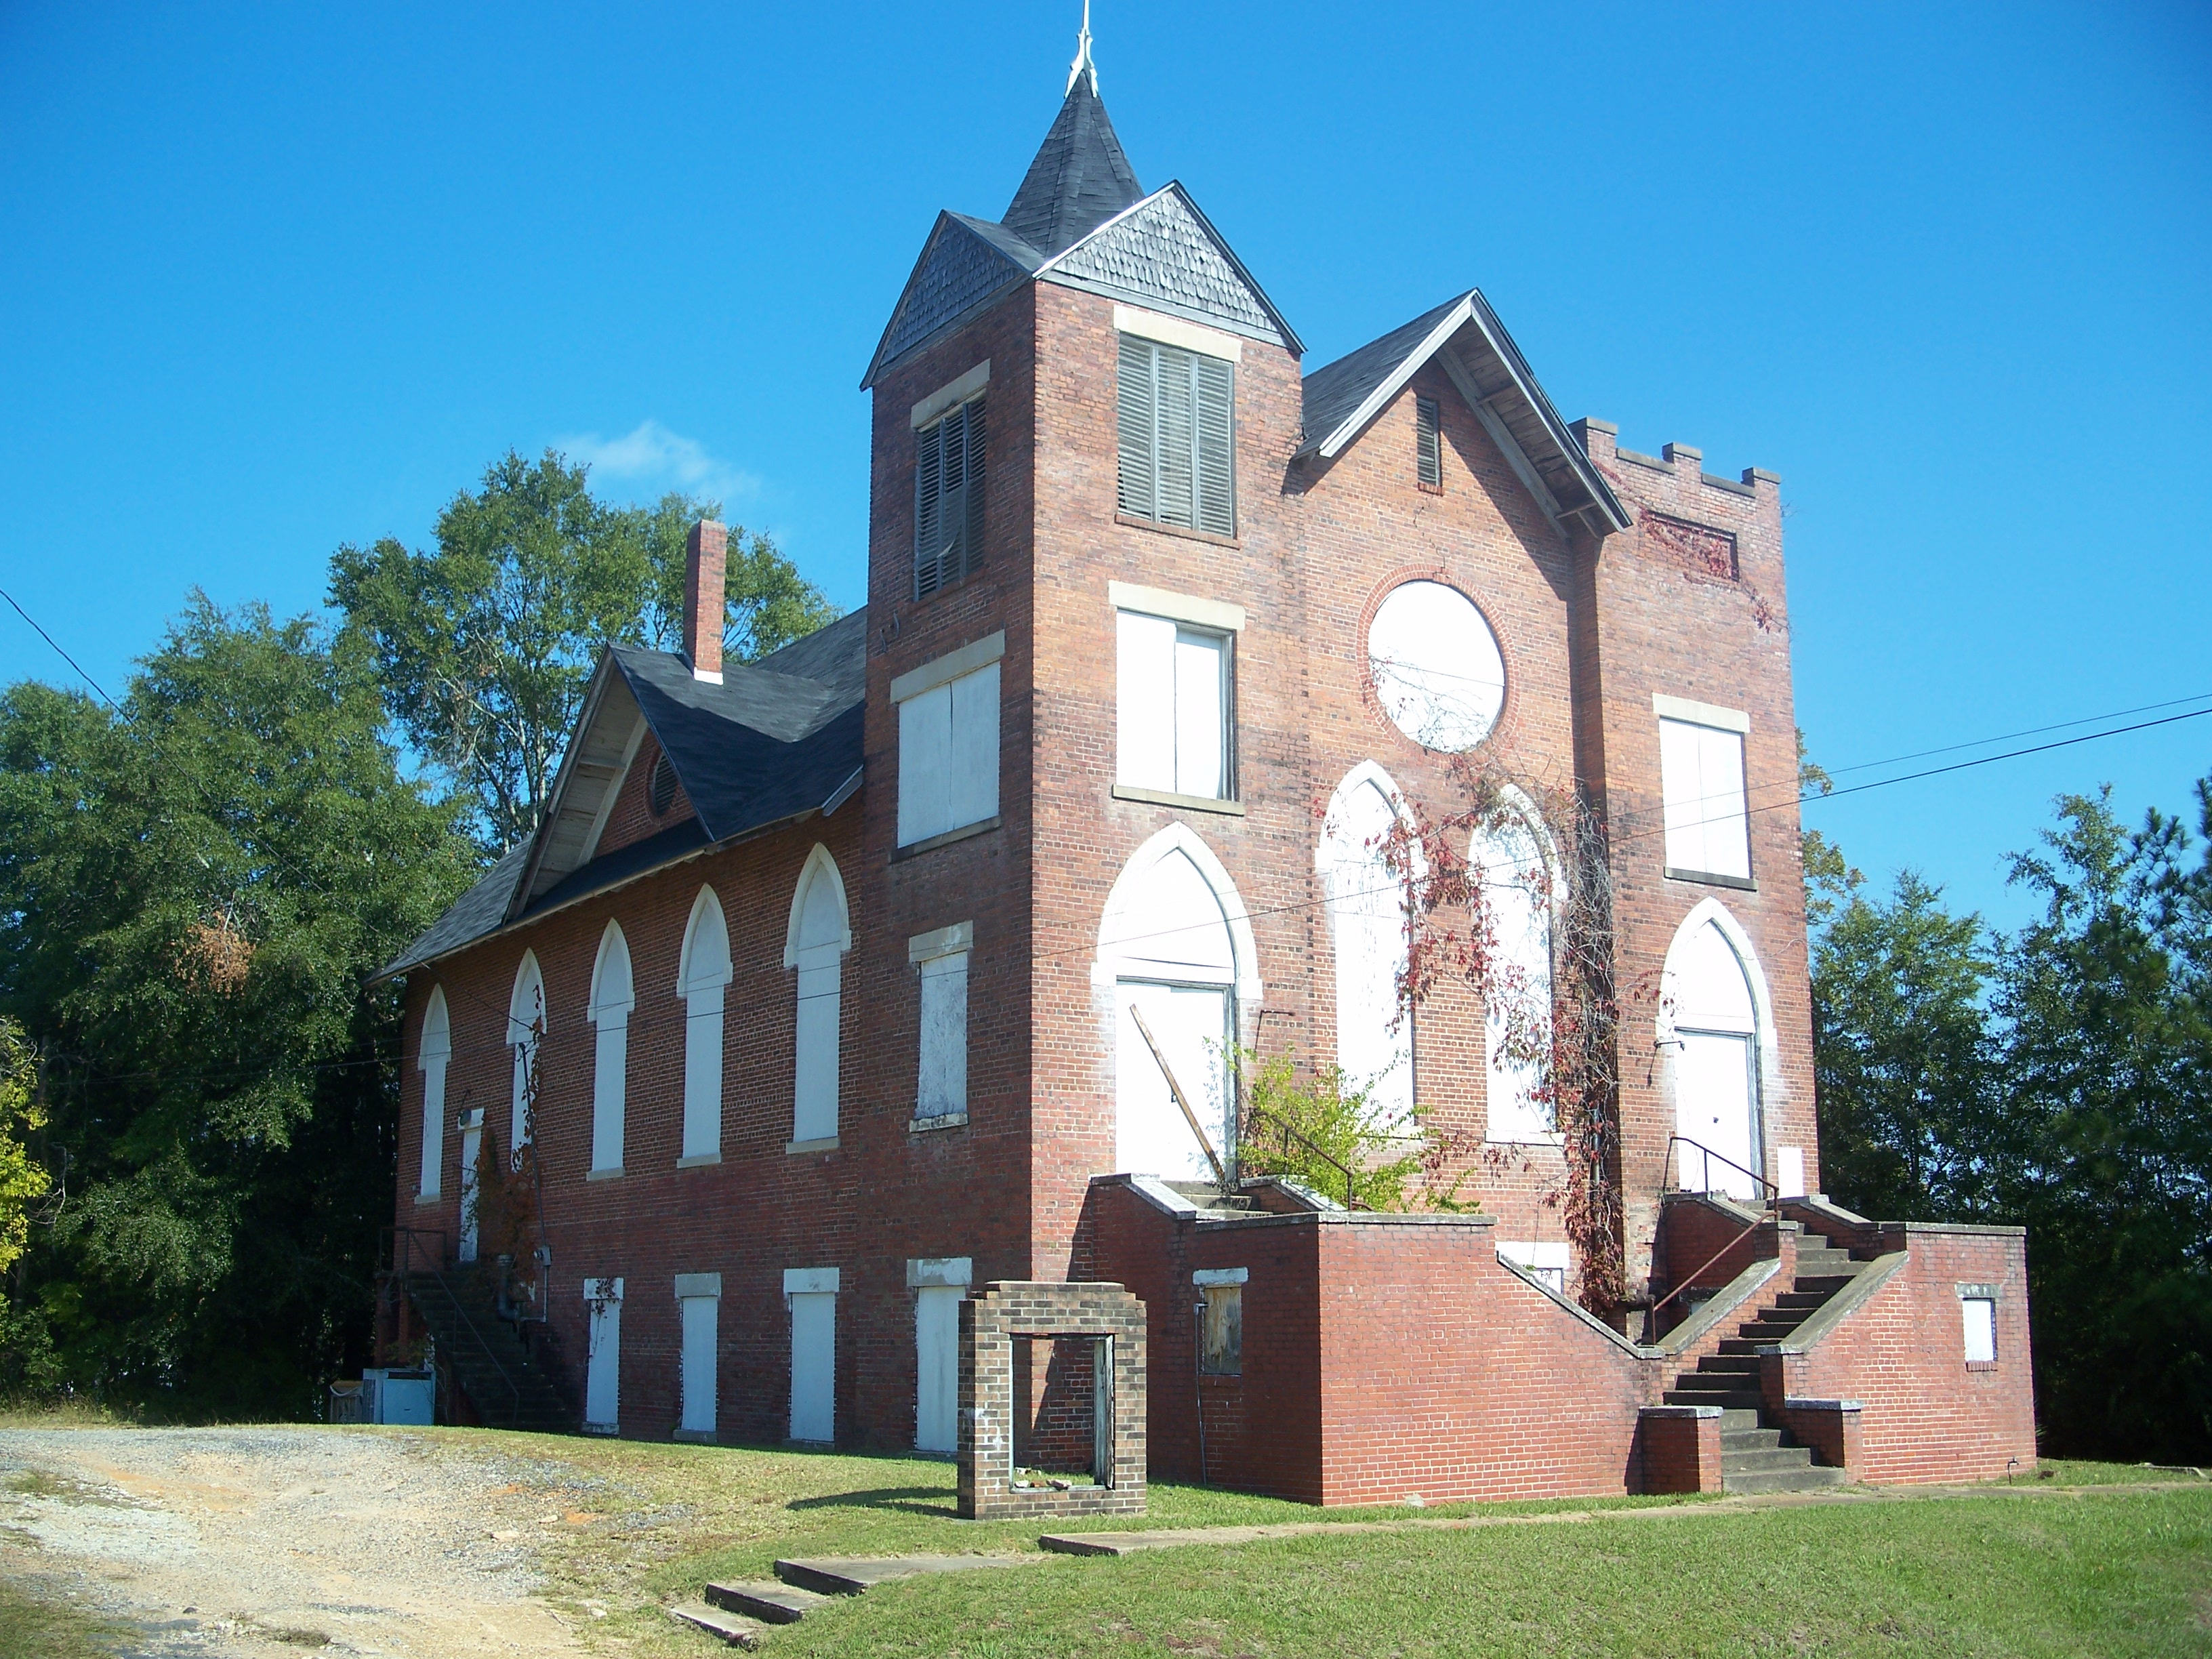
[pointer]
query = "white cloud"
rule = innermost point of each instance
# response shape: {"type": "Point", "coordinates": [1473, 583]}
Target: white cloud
{"type": "Point", "coordinates": [654, 458]}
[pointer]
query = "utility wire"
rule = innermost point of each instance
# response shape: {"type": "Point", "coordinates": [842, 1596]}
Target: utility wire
{"type": "Point", "coordinates": [50, 640]}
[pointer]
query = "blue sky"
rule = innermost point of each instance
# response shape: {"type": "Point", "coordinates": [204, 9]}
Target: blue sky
{"type": "Point", "coordinates": [277, 278]}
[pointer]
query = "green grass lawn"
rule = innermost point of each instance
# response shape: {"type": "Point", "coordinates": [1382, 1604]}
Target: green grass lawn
{"type": "Point", "coordinates": [37, 1628]}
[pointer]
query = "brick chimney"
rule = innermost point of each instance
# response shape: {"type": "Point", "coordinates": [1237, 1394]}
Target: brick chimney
{"type": "Point", "coordinates": [705, 569]}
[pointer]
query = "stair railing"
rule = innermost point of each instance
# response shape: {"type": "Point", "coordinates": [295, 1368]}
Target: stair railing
{"type": "Point", "coordinates": [1351, 1200]}
{"type": "Point", "coordinates": [1771, 1201]}
{"type": "Point", "coordinates": [399, 1250]}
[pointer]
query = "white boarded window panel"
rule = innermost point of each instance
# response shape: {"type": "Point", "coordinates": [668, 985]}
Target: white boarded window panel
{"type": "Point", "coordinates": [526, 1025]}
{"type": "Point", "coordinates": [925, 804]}
{"type": "Point", "coordinates": [1981, 1316]}
{"type": "Point", "coordinates": [611, 1002]}
{"type": "Point", "coordinates": [1546, 1260]}
{"type": "Point", "coordinates": [822, 923]}
{"type": "Point", "coordinates": [1701, 773]}
{"type": "Point", "coordinates": [937, 1366]}
{"type": "Point", "coordinates": [603, 1367]}
{"type": "Point", "coordinates": [432, 1053]}
{"type": "Point", "coordinates": [1190, 1023]}
{"type": "Point", "coordinates": [943, 1091]}
{"type": "Point", "coordinates": [974, 792]}
{"type": "Point", "coordinates": [1145, 729]}
{"type": "Point", "coordinates": [1367, 930]}
{"type": "Point", "coordinates": [813, 1364]}
{"type": "Point", "coordinates": [1199, 659]}
{"type": "Point", "coordinates": [700, 1316]}
{"type": "Point", "coordinates": [703, 974]}
{"type": "Point", "coordinates": [1520, 993]}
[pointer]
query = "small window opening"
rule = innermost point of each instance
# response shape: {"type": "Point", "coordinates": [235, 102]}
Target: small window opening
{"type": "Point", "coordinates": [1058, 1406]}
{"type": "Point", "coordinates": [660, 788]}
{"type": "Point", "coordinates": [948, 491]}
{"type": "Point", "coordinates": [1221, 1341]}
{"type": "Point", "coordinates": [1428, 426]}
{"type": "Point", "coordinates": [1981, 1313]}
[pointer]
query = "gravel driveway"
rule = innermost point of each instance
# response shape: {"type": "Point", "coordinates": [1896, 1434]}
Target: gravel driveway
{"type": "Point", "coordinates": [273, 1541]}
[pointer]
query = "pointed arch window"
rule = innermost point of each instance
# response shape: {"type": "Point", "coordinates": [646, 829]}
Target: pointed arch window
{"type": "Point", "coordinates": [525, 1029]}
{"type": "Point", "coordinates": [1710, 1029]}
{"type": "Point", "coordinates": [820, 934]}
{"type": "Point", "coordinates": [702, 975]}
{"type": "Point", "coordinates": [1367, 928]}
{"type": "Point", "coordinates": [432, 1055]}
{"type": "Point", "coordinates": [612, 998]}
{"type": "Point", "coordinates": [1514, 858]}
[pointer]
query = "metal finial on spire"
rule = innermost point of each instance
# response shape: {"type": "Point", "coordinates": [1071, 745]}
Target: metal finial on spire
{"type": "Point", "coordinates": [1082, 56]}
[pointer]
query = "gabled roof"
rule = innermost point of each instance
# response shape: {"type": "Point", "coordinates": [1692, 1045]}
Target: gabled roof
{"type": "Point", "coordinates": [1079, 219]}
{"type": "Point", "coordinates": [1342, 398]}
{"type": "Point", "coordinates": [778, 740]}
{"type": "Point", "coordinates": [1080, 179]}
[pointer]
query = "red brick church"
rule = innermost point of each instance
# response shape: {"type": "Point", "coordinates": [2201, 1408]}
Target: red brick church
{"type": "Point", "coordinates": [821, 998]}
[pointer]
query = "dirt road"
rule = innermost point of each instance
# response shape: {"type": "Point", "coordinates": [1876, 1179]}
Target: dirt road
{"type": "Point", "coordinates": [271, 1541]}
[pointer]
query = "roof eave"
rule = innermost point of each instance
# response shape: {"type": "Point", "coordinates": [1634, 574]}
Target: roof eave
{"type": "Point", "coordinates": [594, 695]}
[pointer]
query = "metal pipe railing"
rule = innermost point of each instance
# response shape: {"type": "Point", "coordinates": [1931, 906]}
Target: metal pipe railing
{"type": "Point", "coordinates": [402, 1256]}
{"type": "Point", "coordinates": [1773, 1199]}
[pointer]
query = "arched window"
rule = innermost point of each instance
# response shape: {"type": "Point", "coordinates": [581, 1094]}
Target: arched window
{"type": "Point", "coordinates": [1513, 856]}
{"type": "Point", "coordinates": [612, 1000]}
{"type": "Point", "coordinates": [1175, 947]}
{"type": "Point", "coordinates": [703, 974]}
{"type": "Point", "coordinates": [431, 1055]}
{"type": "Point", "coordinates": [819, 935]}
{"type": "Point", "coordinates": [525, 1029]}
{"type": "Point", "coordinates": [1367, 930]}
{"type": "Point", "coordinates": [1710, 1026]}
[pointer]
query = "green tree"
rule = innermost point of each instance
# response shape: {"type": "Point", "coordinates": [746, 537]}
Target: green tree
{"type": "Point", "coordinates": [21, 1179]}
{"type": "Point", "coordinates": [193, 890]}
{"type": "Point", "coordinates": [485, 646]}
{"type": "Point", "coordinates": [2107, 997]}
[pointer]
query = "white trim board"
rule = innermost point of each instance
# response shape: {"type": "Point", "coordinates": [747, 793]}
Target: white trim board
{"type": "Point", "coordinates": [1700, 713]}
{"type": "Point", "coordinates": [1176, 607]}
{"type": "Point", "coordinates": [952, 395]}
{"type": "Point", "coordinates": [978, 653]}
{"type": "Point", "coordinates": [1175, 331]}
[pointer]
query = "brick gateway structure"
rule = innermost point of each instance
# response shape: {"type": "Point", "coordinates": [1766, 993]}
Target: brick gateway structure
{"type": "Point", "coordinates": [815, 1001]}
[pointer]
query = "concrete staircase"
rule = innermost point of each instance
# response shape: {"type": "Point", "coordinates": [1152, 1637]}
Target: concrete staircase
{"type": "Point", "coordinates": [487, 1355]}
{"type": "Point", "coordinates": [1756, 1452]}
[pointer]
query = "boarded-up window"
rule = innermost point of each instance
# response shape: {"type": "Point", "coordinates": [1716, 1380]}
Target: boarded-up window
{"type": "Point", "coordinates": [1177, 437]}
{"type": "Point", "coordinates": [699, 1298]}
{"type": "Point", "coordinates": [942, 1090]}
{"type": "Point", "coordinates": [949, 757]}
{"type": "Point", "coordinates": [821, 934]}
{"type": "Point", "coordinates": [811, 1293]}
{"type": "Point", "coordinates": [1701, 768]}
{"type": "Point", "coordinates": [431, 1057]}
{"type": "Point", "coordinates": [702, 975]}
{"type": "Point", "coordinates": [612, 1003]}
{"type": "Point", "coordinates": [1221, 1330]}
{"type": "Point", "coordinates": [1428, 443]}
{"type": "Point", "coordinates": [1981, 1316]}
{"type": "Point", "coordinates": [1172, 725]}
{"type": "Point", "coordinates": [603, 1361]}
{"type": "Point", "coordinates": [948, 500]}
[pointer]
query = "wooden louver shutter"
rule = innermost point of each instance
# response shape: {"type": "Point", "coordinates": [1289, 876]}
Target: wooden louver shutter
{"type": "Point", "coordinates": [1139, 395]}
{"type": "Point", "coordinates": [948, 489]}
{"type": "Point", "coordinates": [1213, 383]}
{"type": "Point", "coordinates": [1428, 441]}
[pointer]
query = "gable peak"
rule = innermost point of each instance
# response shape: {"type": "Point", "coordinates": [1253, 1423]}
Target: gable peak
{"type": "Point", "coordinates": [1080, 178]}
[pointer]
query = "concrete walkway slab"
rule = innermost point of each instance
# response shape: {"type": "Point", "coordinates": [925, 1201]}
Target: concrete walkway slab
{"type": "Point", "coordinates": [737, 1630]}
{"type": "Point", "coordinates": [849, 1575]}
{"type": "Point", "coordinates": [766, 1600]}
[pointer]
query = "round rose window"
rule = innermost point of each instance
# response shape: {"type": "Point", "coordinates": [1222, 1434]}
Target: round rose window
{"type": "Point", "coordinates": [1436, 666]}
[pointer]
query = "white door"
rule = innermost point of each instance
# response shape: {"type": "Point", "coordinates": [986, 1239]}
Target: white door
{"type": "Point", "coordinates": [813, 1364]}
{"type": "Point", "coordinates": [937, 1367]}
{"type": "Point", "coordinates": [700, 1318]}
{"type": "Point", "coordinates": [603, 1372]}
{"type": "Point", "coordinates": [1712, 1107]}
{"type": "Point", "coordinates": [472, 1144]}
{"type": "Point", "coordinates": [1191, 1025]}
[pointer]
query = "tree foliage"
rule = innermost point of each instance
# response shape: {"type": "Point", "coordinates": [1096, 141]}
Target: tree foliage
{"type": "Point", "coordinates": [485, 645]}
{"type": "Point", "coordinates": [193, 890]}
{"type": "Point", "coordinates": [2058, 1077]}
{"type": "Point", "coordinates": [22, 1180]}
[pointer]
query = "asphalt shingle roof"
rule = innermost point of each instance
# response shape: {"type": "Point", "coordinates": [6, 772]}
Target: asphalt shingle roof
{"type": "Point", "coordinates": [1079, 179]}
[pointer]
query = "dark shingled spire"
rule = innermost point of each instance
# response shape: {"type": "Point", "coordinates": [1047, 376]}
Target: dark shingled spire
{"type": "Point", "coordinates": [1079, 179]}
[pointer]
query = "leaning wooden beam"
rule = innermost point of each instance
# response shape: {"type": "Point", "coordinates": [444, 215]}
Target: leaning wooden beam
{"type": "Point", "coordinates": [1175, 1088]}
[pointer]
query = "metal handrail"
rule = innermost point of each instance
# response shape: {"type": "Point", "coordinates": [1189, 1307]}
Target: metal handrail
{"type": "Point", "coordinates": [404, 1268]}
{"type": "Point", "coordinates": [1350, 1202]}
{"type": "Point", "coordinates": [1774, 1200]}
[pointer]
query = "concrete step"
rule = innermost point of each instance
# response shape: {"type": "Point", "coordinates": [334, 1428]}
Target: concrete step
{"type": "Point", "coordinates": [1740, 1345]}
{"type": "Point", "coordinates": [1815, 1478]}
{"type": "Point", "coordinates": [1745, 1440]}
{"type": "Point", "coordinates": [850, 1575]}
{"type": "Point", "coordinates": [1747, 1403]}
{"type": "Point", "coordinates": [1714, 1365]}
{"type": "Point", "coordinates": [1736, 1419]}
{"type": "Point", "coordinates": [1823, 1284]}
{"type": "Point", "coordinates": [734, 1628]}
{"type": "Point", "coordinates": [1764, 1461]}
{"type": "Point", "coordinates": [1763, 1330]}
{"type": "Point", "coordinates": [1799, 1301]}
{"type": "Point", "coordinates": [766, 1600]}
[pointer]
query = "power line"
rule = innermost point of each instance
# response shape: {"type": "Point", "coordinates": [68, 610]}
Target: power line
{"type": "Point", "coordinates": [50, 640]}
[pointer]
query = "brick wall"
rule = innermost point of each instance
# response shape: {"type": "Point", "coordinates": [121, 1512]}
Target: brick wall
{"type": "Point", "coordinates": [1928, 1415]}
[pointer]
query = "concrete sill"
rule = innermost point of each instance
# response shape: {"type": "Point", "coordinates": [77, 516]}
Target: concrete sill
{"type": "Point", "coordinates": [1187, 803]}
{"type": "Point", "coordinates": [424, 1201]}
{"type": "Point", "coordinates": [1981, 1365]}
{"type": "Point", "coordinates": [1136, 523]}
{"type": "Point", "coordinates": [607, 1429]}
{"type": "Point", "coordinates": [1705, 877]}
{"type": "Point", "coordinates": [922, 1125]}
{"type": "Point", "coordinates": [823, 1143]}
{"type": "Point", "coordinates": [614, 1174]}
{"type": "Point", "coordinates": [1552, 1141]}
{"type": "Point", "coordinates": [931, 844]}
{"type": "Point", "coordinates": [694, 1436]}
{"type": "Point", "coordinates": [698, 1161]}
